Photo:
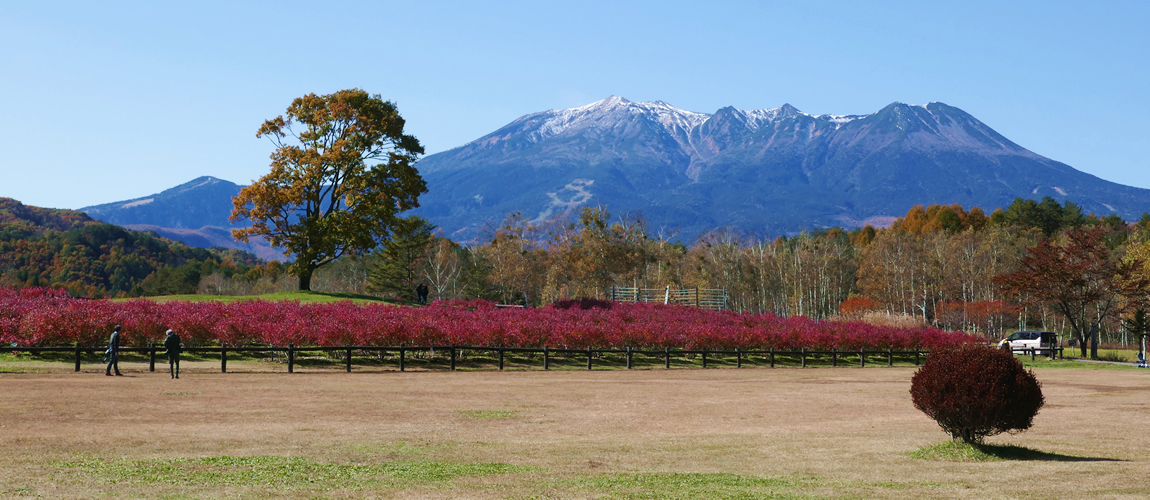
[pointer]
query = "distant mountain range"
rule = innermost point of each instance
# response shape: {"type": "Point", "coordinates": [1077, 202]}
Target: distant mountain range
{"type": "Point", "coordinates": [771, 171]}
{"type": "Point", "coordinates": [763, 172]}
{"type": "Point", "coordinates": [194, 213]}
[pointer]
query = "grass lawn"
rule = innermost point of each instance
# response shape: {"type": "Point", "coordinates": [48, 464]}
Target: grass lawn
{"type": "Point", "coordinates": [646, 433]}
{"type": "Point", "coordinates": [304, 297]}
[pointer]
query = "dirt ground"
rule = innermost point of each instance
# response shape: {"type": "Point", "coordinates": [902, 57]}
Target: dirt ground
{"type": "Point", "coordinates": [746, 433]}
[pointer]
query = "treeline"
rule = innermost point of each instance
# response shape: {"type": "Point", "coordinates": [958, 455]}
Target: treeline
{"type": "Point", "coordinates": [936, 263]}
{"type": "Point", "coordinates": [68, 250]}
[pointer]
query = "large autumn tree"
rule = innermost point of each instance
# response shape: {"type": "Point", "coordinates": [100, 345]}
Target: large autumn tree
{"type": "Point", "coordinates": [1080, 278]}
{"type": "Point", "coordinates": [337, 184]}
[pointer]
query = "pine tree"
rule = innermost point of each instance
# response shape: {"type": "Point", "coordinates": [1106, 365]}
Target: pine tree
{"type": "Point", "coordinates": [396, 270]}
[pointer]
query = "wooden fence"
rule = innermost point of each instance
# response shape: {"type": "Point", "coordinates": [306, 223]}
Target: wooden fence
{"type": "Point", "coordinates": [706, 298]}
{"type": "Point", "coordinates": [771, 357]}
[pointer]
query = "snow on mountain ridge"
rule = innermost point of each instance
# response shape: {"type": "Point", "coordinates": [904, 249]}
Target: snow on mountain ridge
{"type": "Point", "coordinates": [611, 110]}
{"type": "Point", "coordinates": [603, 112]}
{"type": "Point", "coordinates": [679, 124]}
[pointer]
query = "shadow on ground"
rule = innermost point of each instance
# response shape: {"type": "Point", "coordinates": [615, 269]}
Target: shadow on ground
{"type": "Point", "coordinates": [1011, 452]}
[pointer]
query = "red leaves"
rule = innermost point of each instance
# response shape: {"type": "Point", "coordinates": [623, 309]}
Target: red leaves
{"type": "Point", "coordinates": [856, 306]}
{"type": "Point", "coordinates": [42, 317]}
{"type": "Point", "coordinates": [975, 391]}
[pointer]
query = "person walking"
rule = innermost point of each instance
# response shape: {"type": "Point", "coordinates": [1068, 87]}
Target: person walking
{"type": "Point", "coordinates": [113, 353]}
{"type": "Point", "coordinates": [172, 349]}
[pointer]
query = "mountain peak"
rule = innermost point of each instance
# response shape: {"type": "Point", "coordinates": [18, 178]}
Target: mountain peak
{"type": "Point", "coordinates": [771, 170]}
{"type": "Point", "coordinates": [788, 110]}
{"type": "Point", "coordinates": [196, 183]}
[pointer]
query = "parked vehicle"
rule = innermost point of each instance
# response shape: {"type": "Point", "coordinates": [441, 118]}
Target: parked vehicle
{"type": "Point", "coordinates": [1027, 340]}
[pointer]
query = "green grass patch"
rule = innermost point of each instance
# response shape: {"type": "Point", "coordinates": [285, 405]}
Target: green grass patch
{"type": "Point", "coordinates": [495, 414]}
{"type": "Point", "coordinates": [23, 369]}
{"type": "Point", "coordinates": [685, 485]}
{"type": "Point", "coordinates": [1040, 362]}
{"type": "Point", "coordinates": [280, 472]}
{"type": "Point", "coordinates": [954, 451]}
{"type": "Point", "coordinates": [303, 297]}
{"type": "Point", "coordinates": [958, 451]}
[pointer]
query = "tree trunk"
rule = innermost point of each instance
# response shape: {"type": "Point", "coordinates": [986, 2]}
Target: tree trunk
{"type": "Point", "coordinates": [305, 279]}
{"type": "Point", "coordinates": [1094, 342]}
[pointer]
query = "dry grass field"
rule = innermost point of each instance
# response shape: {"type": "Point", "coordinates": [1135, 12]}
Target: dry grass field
{"type": "Point", "coordinates": [652, 433]}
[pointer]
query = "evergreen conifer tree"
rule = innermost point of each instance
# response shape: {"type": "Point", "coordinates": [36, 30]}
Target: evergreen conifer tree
{"type": "Point", "coordinates": [396, 270]}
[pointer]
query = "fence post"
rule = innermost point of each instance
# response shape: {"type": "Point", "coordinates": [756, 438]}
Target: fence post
{"type": "Point", "coordinates": [704, 358]}
{"type": "Point", "coordinates": [223, 358]}
{"type": "Point", "coordinates": [772, 357]}
{"type": "Point", "coordinates": [291, 358]}
{"type": "Point", "coordinates": [452, 356]}
{"type": "Point", "coordinates": [152, 357]}
{"type": "Point", "coordinates": [862, 358]}
{"type": "Point", "coordinates": [402, 352]}
{"type": "Point", "coordinates": [738, 358]}
{"type": "Point", "coordinates": [588, 357]}
{"type": "Point", "coordinates": [666, 358]}
{"type": "Point", "coordinates": [834, 357]}
{"type": "Point", "coordinates": [349, 359]}
{"type": "Point", "coordinates": [77, 357]}
{"type": "Point", "coordinates": [546, 358]}
{"type": "Point", "coordinates": [915, 356]}
{"type": "Point", "coordinates": [803, 355]}
{"type": "Point", "coordinates": [628, 357]}
{"type": "Point", "coordinates": [889, 357]}
{"type": "Point", "coordinates": [501, 358]}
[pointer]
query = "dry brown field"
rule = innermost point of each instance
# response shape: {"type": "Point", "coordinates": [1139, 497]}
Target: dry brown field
{"type": "Point", "coordinates": [652, 433]}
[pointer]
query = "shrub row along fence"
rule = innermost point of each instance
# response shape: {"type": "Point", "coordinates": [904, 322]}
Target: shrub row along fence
{"type": "Point", "coordinates": [42, 317]}
{"type": "Point", "coordinates": [770, 357]}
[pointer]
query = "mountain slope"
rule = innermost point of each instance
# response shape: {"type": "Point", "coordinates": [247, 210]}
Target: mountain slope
{"type": "Point", "coordinates": [205, 201]}
{"type": "Point", "coordinates": [763, 171]}
{"type": "Point", "coordinates": [194, 213]}
{"type": "Point", "coordinates": [67, 249]}
{"type": "Point", "coordinates": [16, 217]}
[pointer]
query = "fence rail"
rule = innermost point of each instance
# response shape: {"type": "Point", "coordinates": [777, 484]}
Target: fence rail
{"type": "Point", "coordinates": [771, 357]}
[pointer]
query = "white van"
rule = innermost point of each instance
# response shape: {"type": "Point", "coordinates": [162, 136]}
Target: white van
{"type": "Point", "coordinates": [1026, 340]}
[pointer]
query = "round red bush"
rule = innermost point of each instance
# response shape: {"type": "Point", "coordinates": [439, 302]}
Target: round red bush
{"type": "Point", "coordinates": [974, 391]}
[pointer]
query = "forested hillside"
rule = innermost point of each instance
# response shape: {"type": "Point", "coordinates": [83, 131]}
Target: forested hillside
{"type": "Point", "coordinates": [67, 249]}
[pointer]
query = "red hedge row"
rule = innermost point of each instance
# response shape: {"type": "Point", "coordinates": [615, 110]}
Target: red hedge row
{"type": "Point", "coordinates": [42, 317]}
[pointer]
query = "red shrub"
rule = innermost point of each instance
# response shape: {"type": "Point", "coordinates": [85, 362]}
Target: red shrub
{"type": "Point", "coordinates": [43, 317]}
{"type": "Point", "coordinates": [974, 391]}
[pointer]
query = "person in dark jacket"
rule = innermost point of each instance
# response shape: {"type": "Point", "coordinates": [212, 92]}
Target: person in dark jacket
{"type": "Point", "coordinates": [113, 353]}
{"type": "Point", "coordinates": [172, 349]}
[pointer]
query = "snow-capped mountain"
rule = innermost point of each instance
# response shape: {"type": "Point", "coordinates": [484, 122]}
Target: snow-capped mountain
{"type": "Point", "coordinates": [766, 171]}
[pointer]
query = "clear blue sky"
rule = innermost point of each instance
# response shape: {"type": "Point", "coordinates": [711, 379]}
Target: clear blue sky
{"type": "Point", "coordinates": [111, 102]}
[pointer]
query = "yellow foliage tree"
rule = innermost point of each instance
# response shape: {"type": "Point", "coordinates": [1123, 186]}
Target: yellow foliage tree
{"type": "Point", "coordinates": [336, 186]}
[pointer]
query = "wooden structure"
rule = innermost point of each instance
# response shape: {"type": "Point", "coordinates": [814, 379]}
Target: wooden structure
{"type": "Point", "coordinates": [706, 298]}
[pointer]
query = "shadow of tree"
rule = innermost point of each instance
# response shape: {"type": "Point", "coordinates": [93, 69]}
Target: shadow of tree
{"type": "Point", "coordinates": [1011, 452]}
